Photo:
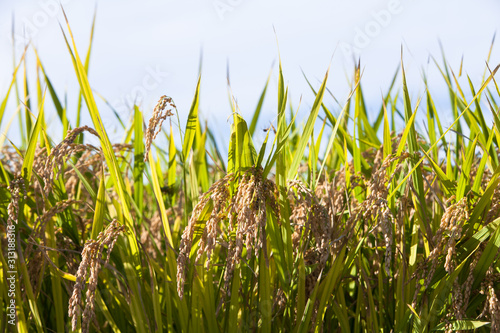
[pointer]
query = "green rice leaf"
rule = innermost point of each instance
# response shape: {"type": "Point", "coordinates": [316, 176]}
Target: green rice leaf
{"type": "Point", "coordinates": [29, 156]}
{"type": "Point", "coordinates": [192, 122]}
{"type": "Point", "coordinates": [100, 209]}
{"type": "Point", "coordinates": [301, 147]}
{"type": "Point", "coordinates": [256, 114]}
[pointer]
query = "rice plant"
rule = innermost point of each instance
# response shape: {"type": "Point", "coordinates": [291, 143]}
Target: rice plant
{"type": "Point", "coordinates": [336, 223]}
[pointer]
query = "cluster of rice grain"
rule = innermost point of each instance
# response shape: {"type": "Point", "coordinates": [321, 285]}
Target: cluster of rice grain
{"type": "Point", "coordinates": [245, 213]}
{"type": "Point", "coordinates": [91, 257]}
{"type": "Point", "coordinates": [60, 152]}
{"type": "Point", "coordinates": [16, 188]}
{"type": "Point", "coordinates": [162, 110]}
{"type": "Point", "coordinates": [310, 217]}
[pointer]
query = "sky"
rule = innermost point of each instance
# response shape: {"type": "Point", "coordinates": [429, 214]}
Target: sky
{"type": "Point", "coordinates": [143, 50]}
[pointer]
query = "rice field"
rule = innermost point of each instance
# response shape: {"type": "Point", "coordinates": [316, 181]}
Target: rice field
{"type": "Point", "coordinates": [335, 223]}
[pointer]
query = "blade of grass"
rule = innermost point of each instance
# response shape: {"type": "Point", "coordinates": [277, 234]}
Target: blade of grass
{"type": "Point", "coordinates": [192, 122]}
{"type": "Point", "coordinates": [306, 134]}
{"type": "Point", "coordinates": [29, 156]}
{"type": "Point", "coordinates": [256, 114]}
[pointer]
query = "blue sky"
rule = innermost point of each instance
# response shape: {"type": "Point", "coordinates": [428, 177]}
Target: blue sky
{"type": "Point", "coordinates": [145, 49]}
